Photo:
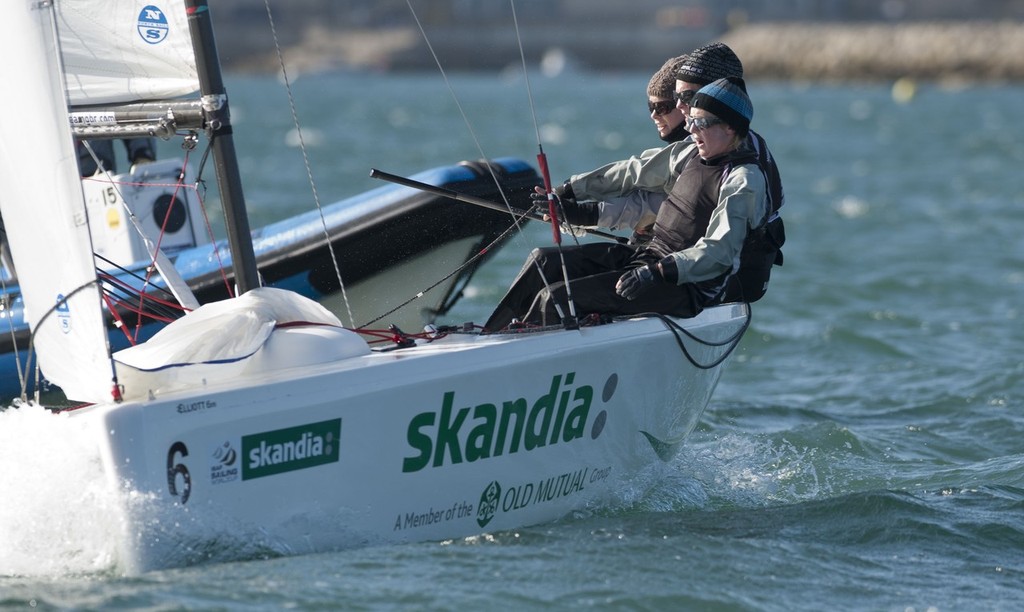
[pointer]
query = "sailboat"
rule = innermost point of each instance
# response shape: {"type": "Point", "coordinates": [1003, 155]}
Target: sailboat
{"type": "Point", "coordinates": [313, 253]}
{"type": "Point", "coordinates": [438, 234]}
{"type": "Point", "coordinates": [259, 423]}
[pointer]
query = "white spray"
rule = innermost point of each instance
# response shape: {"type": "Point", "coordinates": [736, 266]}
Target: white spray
{"type": "Point", "coordinates": [58, 513]}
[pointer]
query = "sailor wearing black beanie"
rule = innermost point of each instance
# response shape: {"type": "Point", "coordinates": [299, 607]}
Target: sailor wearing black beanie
{"type": "Point", "coordinates": [727, 99]}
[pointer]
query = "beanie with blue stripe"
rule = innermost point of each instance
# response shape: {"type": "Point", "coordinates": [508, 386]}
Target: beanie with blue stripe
{"type": "Point", "coordinates": [727, 99]}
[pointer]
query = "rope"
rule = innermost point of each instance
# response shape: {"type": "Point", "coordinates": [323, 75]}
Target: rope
{"type": "Point", "coordinates": [553, 202]}
{"type": "Point", "coordinates": [305, 160]}
{"type": "Point", "coordinates": [202, 206]}
{"type": "Point", "coordinates": [678, 331]}
{"type": "Point", "coordinates": [476, 141]}
{"type": "Point", "coordinates": [458, 105]}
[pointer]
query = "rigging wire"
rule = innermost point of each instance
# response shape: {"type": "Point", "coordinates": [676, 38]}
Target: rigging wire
{"type": "Point", "coordinates": [188, 144]}
{"type": "Point", "coordinates": [305, 159]}
{"type": "Point", "coordinates": [458, 105]}
{"type": "Point", "coordinates": [476, 141]}
{"type": "Point", "coordinates": [472, 260]}
{"type": "Point", "coordinates": [156, 258]}
{"type": "Point", "coordinates": [542, 160]}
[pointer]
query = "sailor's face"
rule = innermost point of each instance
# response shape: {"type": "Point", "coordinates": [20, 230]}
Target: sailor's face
{"type": "Point", "coordinates": [712, 136]}
{"type": "Point", "coordinates": [665, 114]}
{"type": "Point", "coordinates": [684, 94]}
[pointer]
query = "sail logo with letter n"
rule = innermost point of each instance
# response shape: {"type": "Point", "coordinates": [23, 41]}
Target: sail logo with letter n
{"type": "Point", "coordinates": [63, 314]}
{"type": "Point", "coordinates": [152, 26]}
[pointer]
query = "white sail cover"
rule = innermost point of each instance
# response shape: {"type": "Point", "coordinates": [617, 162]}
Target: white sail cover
{"type": "Point", "coordinates": [43, 208]}
{"type": "Point", "coordinates": [225, 331]}
{"type": "Point", "coordinates": [125, 50]}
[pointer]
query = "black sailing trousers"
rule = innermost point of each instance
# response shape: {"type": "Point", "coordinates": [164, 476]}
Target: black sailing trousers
{"type": "Point", "coordinates": [593, 270]}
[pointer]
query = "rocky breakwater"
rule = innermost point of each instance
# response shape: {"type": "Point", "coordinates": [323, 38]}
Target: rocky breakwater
{"type": "Point", "coordinates": [975, 51]}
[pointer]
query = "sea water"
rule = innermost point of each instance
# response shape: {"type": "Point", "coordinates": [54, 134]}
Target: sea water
{"type": "Point", "coordinates": [864, 449]}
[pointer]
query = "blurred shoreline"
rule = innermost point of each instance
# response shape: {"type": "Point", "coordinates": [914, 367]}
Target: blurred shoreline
{"type": "Point", "coordinates": [941, 51]}
{"type": "Point", "coordinates": [976, 51]}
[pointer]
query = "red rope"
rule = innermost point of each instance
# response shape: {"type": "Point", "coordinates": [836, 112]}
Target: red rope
{"type": "Point", "coordinates": [117, 317]}
{"type": "Point", "coordinates": [213, 241]}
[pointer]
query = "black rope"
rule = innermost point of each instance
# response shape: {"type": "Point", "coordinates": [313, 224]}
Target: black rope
{"type": "Point", "coordinates": [678, 331]}
{"type": "Point", "coordinates": [151, 301]}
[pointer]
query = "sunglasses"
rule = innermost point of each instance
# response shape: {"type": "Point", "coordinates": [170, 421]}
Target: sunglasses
{"type": "Point", "coordinates": [701, 123]}
{"type": "Point", "coordinates": [685, 96]}
{"type": "Point", "coordinates": [661, 108]}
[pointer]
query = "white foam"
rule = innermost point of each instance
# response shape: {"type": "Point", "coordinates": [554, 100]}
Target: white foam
{"type": "Point", "coordinates": [58, 516]}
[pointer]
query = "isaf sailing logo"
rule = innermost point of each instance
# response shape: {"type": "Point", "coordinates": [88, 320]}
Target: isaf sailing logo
{"type": "Point", "coordinates": [224, 463]}
{"type": "Point", "coordinates": [152, 25]}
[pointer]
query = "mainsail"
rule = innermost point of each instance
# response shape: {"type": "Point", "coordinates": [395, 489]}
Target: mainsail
{"type": "Point", "coordinates": [125, 50]}
{"type": "Point", "coordinates": [43, 208]}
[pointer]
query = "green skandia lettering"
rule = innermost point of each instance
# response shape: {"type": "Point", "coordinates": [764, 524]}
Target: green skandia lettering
{"type": "Point", "coordinates": [419, 441]}
{"type": "Point", "coordinates": [456, 434]}
{"type": "Point", "coordinates": [540, 417]}
{"type": "Point", "coordinates": [448, 432]}
{"type": "Point", "coordinates": [294, 448]}
{"type": "Point", "coordinates": [516, 408]}
{"type": "Point", "coordinates": [577, 421]}
{"type": "Point", "coordinates": [561, 409]}
{"type": "Point", "coordinates": [481, 438]}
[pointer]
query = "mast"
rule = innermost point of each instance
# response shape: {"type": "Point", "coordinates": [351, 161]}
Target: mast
{"type": "Point", "coordinates": [215, 103]}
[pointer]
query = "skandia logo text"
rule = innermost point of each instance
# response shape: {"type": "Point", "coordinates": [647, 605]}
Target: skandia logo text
{"type": "Point", "coordinates": [294, 448]}
{"type": "Point", "coordinates": [470, 434]}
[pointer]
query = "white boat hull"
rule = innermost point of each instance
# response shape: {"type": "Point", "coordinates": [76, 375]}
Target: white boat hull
{"type": "Point", "coordinates": [504, 431]}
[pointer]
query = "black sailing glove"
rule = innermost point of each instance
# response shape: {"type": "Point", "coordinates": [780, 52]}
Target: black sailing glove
{"type": "Point", "coordinates": [575, 213]}
{"type": "Point", "coordinates": [631, 284]}
{"type": "Point", "coordinates": [637, 281]}
{"type": "Point", "coordinates": [563, 193]}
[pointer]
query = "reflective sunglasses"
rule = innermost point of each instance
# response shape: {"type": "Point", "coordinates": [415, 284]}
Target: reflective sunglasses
{"type": "Point", "coordinates": [661, 108]}
{"type": "Point", "coordinates": [701, 123]}
{"type": "Point", "coordinates": [685, 96]}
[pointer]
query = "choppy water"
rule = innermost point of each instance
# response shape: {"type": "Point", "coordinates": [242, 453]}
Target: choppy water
{"type": "Point", "coordinates": [864, 450]}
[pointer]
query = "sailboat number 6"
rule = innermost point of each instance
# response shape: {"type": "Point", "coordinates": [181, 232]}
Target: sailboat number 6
{"type": "Point", "coordinates": [178, 469]}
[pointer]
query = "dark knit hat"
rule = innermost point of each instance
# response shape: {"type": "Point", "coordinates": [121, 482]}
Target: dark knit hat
{"type": "Point", "coordinates": [663, 83]}
{"type": "Point", "coordinates": [727, 99]}
{"type": "Point", "coordinates": [710, 63]}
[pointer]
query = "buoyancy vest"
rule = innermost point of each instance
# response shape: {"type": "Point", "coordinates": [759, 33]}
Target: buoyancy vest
{"type": "Point", "coordinates": [762, 247]}
{"type": "Point", "coordinates": [684, 216]}
{"type": "Point", "coordinates": [642, 235]}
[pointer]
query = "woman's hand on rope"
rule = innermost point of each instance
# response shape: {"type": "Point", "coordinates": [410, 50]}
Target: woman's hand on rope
{"type": "Point", "coordinates": [575, 213]}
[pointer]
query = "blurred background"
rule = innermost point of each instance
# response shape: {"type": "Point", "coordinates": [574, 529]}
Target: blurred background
{"type": "Point", "coordinates": [795, 39]}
